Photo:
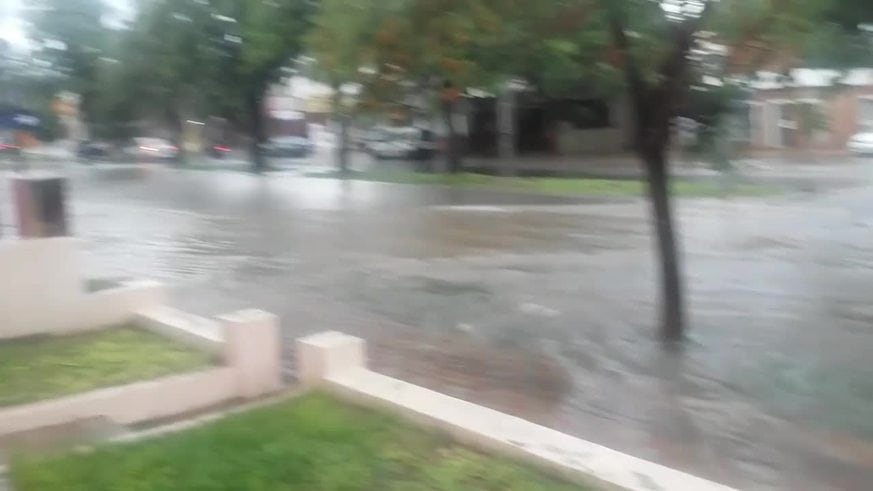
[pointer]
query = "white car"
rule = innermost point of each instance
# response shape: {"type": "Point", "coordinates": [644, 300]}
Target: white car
{"type": "Point", "coordinates": [402, 143]}
{"type": "Point", "coordinates": [861, 144]}
{"type": "Point", "coordinates": [150, 149]}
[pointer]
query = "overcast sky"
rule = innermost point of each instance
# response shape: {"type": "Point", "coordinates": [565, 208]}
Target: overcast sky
{"type": "Point", "coordinates": [14, 30]}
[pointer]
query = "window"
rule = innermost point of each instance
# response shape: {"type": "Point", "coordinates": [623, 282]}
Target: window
{"type": "Point", "coordinates": [586, 114]}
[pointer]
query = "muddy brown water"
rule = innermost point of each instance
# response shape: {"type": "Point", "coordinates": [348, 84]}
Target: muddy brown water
{"type": "Point", "coordinates": [542, 307]}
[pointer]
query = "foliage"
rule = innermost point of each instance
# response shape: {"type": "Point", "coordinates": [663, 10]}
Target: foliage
{"type": "Point", "coordinates": [844, 37]}
{"type": "Point", "coordinates": [341, 40]}
{"type": "Point", "coordinates": [270, 36]}
{"type": "Point", "coordinates": [559, 48]}
{"type": "Point", "coordinates": [312, 443]}
{"type": "Point", "coordinates": [421, 44]}
{"type": "Point", "coordinates": [45, 367]}
{"type": "Point", "coordinates": [70, 35]}
{"type": "Point", "coordinates": [29, 85]}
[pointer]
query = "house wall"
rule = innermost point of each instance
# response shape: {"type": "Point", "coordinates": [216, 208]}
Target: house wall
{"type": "Point", "coordinates": [587, 142]}
{"type": "Point", "coordinates": [614, 139]}
{"type": "Point", "coordinates": [538, 127]}
{"type": "Point", "coordinates": [839, 106]}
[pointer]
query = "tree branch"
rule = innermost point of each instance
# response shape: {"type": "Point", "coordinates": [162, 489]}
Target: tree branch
{"type": "Point", "coordinates": [683, 39]}
{"type": "Point", "coordinates": [633, 75]}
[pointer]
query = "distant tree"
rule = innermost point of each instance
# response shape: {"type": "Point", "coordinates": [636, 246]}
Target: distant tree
{"type": "Point", "coordinates": [166, 67]}
{"type": "Point", "coordinates": [184, 59]}
{"type": "Point", "coordinates": [425, 57]}
{"type": "Point", "coordinates": [263, 37]}
{"type": "Point", "coordinates": [341, 43]}
{"type": "Point", "coordinates": [72, 37]}
{"type": "Point", "coordinates": [844, 37]}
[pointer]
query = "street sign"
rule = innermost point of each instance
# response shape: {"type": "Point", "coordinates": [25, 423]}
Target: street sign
{"type": "Point", "coordinates": [18, 120]}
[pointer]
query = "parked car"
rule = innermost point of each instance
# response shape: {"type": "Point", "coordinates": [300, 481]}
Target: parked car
{"type": "Point", "coordinates": [288, 146]}
{"type": "Point", "coordinates": [8, 147]}
{"type": "Point", "coordinates": [405, 142]}
{"type": "Point", "coordinates": [218, 151]}
{"type": "Point", "coordinates": [94, 150]}
{"type": "Point", "coordinates": [862, 143]}
{"type": "Point", "coordinates": [152, 149]}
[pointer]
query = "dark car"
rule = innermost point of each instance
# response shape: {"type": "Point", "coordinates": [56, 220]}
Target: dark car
{"type": "Point", "coordinates": [288, 146]}
{"type": "Point", "coordinates": [95, 150]}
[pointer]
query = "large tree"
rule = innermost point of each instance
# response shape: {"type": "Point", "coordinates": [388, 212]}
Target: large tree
{"type": "Point", "coordinates": [263, 37]}
{"type": "Point", "coordinates": [167, 65]}
{"type": "Point", "coordinates": [655, 46]}
{"type": "Point", "coordinates": [425, 56]}
{"type": "Point", "coordinates": [655, 42]}
{"type": "Point", "coordinates": [72, 37]}
{"type": "Point", "coordinates": [341, 42]}
{"type": "Point", "coordinates": [186, 59]}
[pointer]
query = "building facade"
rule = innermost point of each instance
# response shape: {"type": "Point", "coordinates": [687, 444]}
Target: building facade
{"type": "Point", "coordinates": [810, 110]}
{"type": "Point", "coordinates": [549, 126]}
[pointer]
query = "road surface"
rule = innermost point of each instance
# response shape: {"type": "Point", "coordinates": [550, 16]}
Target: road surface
{"type": "Point", "coordinates": [543, 307]}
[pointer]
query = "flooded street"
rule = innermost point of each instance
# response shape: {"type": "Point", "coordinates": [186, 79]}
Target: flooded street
{"type": "Point", "coordinates": [543, 307]}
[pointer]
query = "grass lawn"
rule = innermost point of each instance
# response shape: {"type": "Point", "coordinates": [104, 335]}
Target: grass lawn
{"type": "Point", "coordinates": [313, 443]}
{"type": "Point", "coordinates": [558, 186]}
{"type": "Point", "coordinates": [43, 367]}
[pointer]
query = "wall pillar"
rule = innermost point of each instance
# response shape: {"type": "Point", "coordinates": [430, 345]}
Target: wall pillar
{"type": "Point", "coordinates": [329, 353]}
{"type": "Point", "coordinates": [253, 349]}
{"type": "Point", "coordinates": [506, 102]}
{"type": "Point", "coordinates": [40, 205]}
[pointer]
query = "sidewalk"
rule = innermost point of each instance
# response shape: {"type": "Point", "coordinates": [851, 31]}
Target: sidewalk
{"type": "Point", "coordinates": [619, 166]}
{"type": "Point", "coordinates": [814, 169]}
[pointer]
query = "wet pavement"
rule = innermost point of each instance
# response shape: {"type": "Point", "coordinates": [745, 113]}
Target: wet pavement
{"type": "Point", "coordinates": [540, 306]}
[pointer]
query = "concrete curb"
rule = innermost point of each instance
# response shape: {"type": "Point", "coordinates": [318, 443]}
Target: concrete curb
{"type": "Point", "coordinates": [251, 367]}
{"type": "Point", "coordinates": [336, 361]}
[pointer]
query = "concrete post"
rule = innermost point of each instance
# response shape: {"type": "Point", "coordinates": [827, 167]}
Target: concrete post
{"type": "Point", "coordinates": [506, 101]}
{"type": "Point", "coordinates": [253, 349]}
{"type": "Point", "coordinates": [40, 205]}
{"type": "Point", "coordinates": [329, 353]}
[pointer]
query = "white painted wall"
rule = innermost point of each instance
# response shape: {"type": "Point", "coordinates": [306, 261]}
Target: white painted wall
{"type": "Point", "coordinates": [42, 291]}
{"type": "Point", "coordinates": [615, 139]}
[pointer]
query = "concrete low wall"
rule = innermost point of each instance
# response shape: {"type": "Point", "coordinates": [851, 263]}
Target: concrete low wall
{"type": "Point", "coordinates": [193, 330]}
{"type": "Point", "coordinates": [127, 404]}
{"type": "Point", "coordinates": [251, 368]}
{"type": "Point", "coordinates": [336, 361]}
{"type": "Point", "coordinates": [42, 291]}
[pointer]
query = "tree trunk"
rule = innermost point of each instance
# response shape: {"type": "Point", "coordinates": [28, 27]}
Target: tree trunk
{"type": "Point", "coordinates": [178, 129]}
{"type": "Point", "coordinates": [672, 304]}
{"type": "Point", "coordinates": [453, 157]}
{"type": "Point", "coordinates": [258, 137]}
{"type": "Point", "coordinates": [506, 130]}
{"type": "Point", "coordinates": [342, 145]}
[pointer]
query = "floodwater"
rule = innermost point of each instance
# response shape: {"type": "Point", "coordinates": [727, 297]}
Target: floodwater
{"type": "Point", "coordinates": [541, 307]}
